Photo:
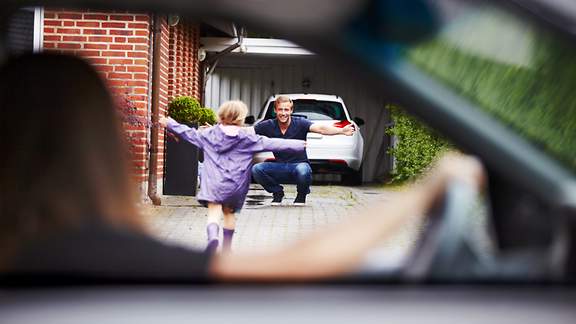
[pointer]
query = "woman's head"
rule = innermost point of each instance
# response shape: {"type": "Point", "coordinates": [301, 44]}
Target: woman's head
{"type": "Point", "coordinates": [232, 113]}
{"type": "Point", "coordinates": [64, 160]}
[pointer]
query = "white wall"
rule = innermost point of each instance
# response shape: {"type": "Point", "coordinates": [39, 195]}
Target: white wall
{"type": "Point", "coordinates": [253, 79]}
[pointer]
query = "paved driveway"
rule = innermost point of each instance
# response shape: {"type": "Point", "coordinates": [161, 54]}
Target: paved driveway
{"type": "Point", "coordinates": [262, 227]}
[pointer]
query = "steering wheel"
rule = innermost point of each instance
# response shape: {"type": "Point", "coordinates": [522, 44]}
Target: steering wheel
{"type": "Point", "coordinates": [447, 249]}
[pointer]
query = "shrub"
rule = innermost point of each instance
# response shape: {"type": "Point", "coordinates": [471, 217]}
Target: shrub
{"type": "Point", "coordinates": [206, 116]}
{"type": "Point", "coordinates": [417, 146]}
{"type": "Point", "coordinates": [185, 110]}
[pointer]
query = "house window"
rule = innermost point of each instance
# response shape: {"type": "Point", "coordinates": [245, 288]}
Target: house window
{"type": "Point", "coordinates": [25, 30]}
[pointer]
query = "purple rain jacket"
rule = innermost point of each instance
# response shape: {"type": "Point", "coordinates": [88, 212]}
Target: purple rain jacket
{"type": "Point", "coordinates": [228, 153]}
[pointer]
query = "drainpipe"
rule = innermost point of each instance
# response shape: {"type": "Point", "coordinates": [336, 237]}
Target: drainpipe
{"type": "Point", "coordinates": [155, 112]}
{"type": "Point", "coordinates": [213, 61]}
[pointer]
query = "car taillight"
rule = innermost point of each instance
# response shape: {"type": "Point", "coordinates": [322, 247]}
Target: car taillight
{"type": "Point", "coordinates": [343, 123]}
{"type": "Point", "coordinates": [270, 160]}
{"type": "Point", "coordinates": [342, 162]}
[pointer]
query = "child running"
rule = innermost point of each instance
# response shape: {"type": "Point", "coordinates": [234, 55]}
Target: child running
{"type": "Point", "coordinates": [228, 152]}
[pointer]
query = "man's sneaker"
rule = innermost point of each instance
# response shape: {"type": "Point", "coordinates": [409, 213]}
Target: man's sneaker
{"type": "Point", "coordinates": [277, 200]}
{"type": "Point", "coordinates": [300, 199]}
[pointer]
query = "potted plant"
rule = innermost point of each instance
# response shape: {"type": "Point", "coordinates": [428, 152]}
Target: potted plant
{"type": "Point", "coordinates": [181, 157]}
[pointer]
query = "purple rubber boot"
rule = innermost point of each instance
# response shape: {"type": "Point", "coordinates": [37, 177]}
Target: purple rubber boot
{"type": "Point", "coordinates": [228, 235]}
{"type": "Point", "coordinates": [212, 231]}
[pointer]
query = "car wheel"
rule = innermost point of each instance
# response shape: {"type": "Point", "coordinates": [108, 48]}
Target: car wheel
{"type": "Point", "coordinates": [353, 178]}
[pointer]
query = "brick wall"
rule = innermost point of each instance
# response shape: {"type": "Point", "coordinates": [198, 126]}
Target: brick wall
{"type": "Point", "coordinates": [118, 45]}
{"type": "Point", "coordinates": [184, 66]}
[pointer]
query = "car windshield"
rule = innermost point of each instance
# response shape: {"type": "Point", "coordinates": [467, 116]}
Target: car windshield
{"type": "Point", "coordinates": [518, 73]}
{"type": "Point", "coordinates": [201, 72]}
{"type": "Point", "coordinates": [312, 110]}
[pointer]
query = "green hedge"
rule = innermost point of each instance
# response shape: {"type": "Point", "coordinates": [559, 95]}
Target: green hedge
{"type": "Point", "coordinates": [416, 147]}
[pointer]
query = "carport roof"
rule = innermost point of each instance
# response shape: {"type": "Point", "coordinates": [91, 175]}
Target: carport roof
{"type": "Point", "coordinates": [266, 46]}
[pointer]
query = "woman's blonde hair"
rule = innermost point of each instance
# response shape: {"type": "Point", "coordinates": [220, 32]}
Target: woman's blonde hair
{"type": "Point", "coordinates": [232, 113]}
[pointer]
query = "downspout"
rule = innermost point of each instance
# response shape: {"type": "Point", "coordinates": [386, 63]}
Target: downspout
{"type": "Point", "coordinates": [155, 112]}
{"type": "Point", "coordinates": [213, 61]}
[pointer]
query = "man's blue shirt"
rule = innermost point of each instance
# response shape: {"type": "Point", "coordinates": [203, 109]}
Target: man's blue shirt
{"type": "Point", "coordinates": [298, 129]}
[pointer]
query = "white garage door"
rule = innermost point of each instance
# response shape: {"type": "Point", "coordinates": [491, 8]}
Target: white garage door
{"type": "Point", "coordinates": [253, 79]}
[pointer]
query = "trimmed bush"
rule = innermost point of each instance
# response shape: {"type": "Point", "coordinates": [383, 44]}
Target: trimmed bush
{"type": "Point", "coordinates": [187, 110]}
{"type": "Point", "coordinates": [184, 109]}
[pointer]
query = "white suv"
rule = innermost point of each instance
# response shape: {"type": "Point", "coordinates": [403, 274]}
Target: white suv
{"type": "Point", "coordinates": [327, 154]}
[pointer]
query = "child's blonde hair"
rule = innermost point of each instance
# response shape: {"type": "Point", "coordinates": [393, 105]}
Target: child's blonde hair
{"type": "Point", "coordinates": [232, 113]}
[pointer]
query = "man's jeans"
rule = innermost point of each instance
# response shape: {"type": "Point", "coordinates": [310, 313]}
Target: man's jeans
{"type": "Point", "coordinates": [271, 174]}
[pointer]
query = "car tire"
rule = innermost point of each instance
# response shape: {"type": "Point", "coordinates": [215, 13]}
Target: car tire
{"type": "Point", "coordinates": [353, 178]}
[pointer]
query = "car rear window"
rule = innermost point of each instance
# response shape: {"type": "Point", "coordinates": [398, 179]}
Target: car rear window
{"type": "Point", "coordinates": [313, 110]}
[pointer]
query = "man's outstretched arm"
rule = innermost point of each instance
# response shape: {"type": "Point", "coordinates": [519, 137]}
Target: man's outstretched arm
{"type": "Point", "coordinates": [347, 130]}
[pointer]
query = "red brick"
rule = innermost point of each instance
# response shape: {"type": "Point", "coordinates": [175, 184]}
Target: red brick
{"type": "Point", "coordinates": [137, 98]}
{"type": "Point", "coordinates": [141, 47]}
{"type": "Point", "coordinates": [137, 40]}
{"type": "Point", "coordinates": [120, 68]}
{"type": "Point", "coordinates": [69, 16]}
{"type": "Point", "coordinates": [95, 46]}
{"type": "Point", "coordinates": [142, 18]}
{"type": "Point", "coordinates": [138, 54]}
{"type": "Point", "coordinates": [49, 15]}
{"type": "Point", "coordinates": [117, 83]}
{"type": "Point", "coordinates": [121, 47]}
{"type": "Point", "coordinates": [122, 32]}
{"type": "Point", "coordinates": [68, 23]}
{"type": "Point", "coordinates": [140, 33]}
{"type": "Point", "coordinates": [141, 62]}
{"type": "Point", "coordinates": [101, 39]}
{"type": "Point", "coordinates": [140, 76]}
{"type": "Point", "coordinates": [68, 46]}
{"type": "Point", "coordinates": [88, 53]}
{"type": "Point", "coordinates": [96, 16]}
{"type": "Point", "coordinates": [122, 17]}
{"type": "Point", "coordinates": [93, 24]}
{"type": "Point", "coordinates": [117, 75]}
{"type": "Point", "coordinates": [103, 68]}
{"type": "Point", "coordinates": [74, 38]}
{"type": "Point", "coordinates": [120, 61]}
{"type": "Point", "coordinates": [48, 30]}
{"type": "Point", "coordinates": [138, 69]}
{"type": "Point", "coordinates": [140, 91]}
{"type": "Point", "coordinates": [114, 53]}
{"type": "Point", "coordinates": [52, 23]}
{"type": "Point", "coordinates": [68, 31]}
{"type": "Point", "coordinates": [120, 39]}
{"type": "Point", "coordinates": [98, 60]}
{"type": "Point", "coordinates": [136, 83]}
{"type": "Point", "coordinates": [52, 38]}
{"type": "Point", "coordinates": [49, 45]}
{"type": "Point", "coordinates": [138, 25]}
{"type": "Point", "coordinates": [113, 25]}
{"type": "Point", "coordinates": [94, 31]}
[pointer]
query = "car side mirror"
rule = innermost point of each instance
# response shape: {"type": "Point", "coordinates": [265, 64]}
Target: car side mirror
{"type": "Point", "coordinates": [249, 120]}
{"type": "Point", "coordinates": [359, 121]}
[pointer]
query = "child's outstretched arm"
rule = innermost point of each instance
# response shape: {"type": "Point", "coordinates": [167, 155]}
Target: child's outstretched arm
{"type": "Point", "coordinates": [186, 133]}
{"type": "Point", "coordinates": [280, 145]}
